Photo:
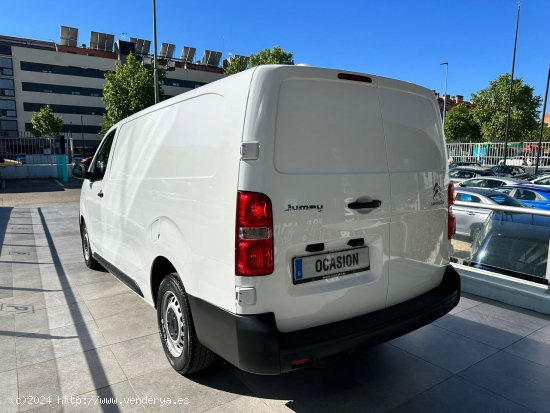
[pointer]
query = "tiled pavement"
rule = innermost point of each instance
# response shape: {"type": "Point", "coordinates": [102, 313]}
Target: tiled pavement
{"type": "Point", "coordinates": [69, 331]}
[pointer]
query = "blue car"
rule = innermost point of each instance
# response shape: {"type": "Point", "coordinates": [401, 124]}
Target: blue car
{"type": "Point", "coordinates": [534, 196]}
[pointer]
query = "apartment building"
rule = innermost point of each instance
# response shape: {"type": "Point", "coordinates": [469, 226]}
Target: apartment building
{"type": "Point", "coordinates": [70, 76]}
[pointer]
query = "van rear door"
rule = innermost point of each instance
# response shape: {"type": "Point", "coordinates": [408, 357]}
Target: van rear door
{"type": "Point", "coordinates": [323, 164]}
{"type": "Point", "coordinates": [417, 164]}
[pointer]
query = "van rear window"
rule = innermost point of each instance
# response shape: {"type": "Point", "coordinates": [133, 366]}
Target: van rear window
{"type": "Point", "coordinates": [329, 127]}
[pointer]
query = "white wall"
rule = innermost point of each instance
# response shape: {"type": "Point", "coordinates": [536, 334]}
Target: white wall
{"type": "Point", "coordinates": [31, 171]}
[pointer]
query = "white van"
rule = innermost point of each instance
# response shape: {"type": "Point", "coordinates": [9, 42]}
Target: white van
{"type": "Point", "coordinates": [278, 216]}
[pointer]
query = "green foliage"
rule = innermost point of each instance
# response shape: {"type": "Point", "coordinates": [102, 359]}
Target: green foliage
{"type": "Point", "coordinates": [45, 123]}
{"type": "Point", "coordinates": [129, 89]}
{"type": "Point", "coordinates": [491, 109]}
{"type": "Point", "coordinates": [235, 66]}
{"type": "Point", "coordinates": [535, 134]}
{"type": "Point", "coordinates": [460, 125]}
{"type": "Point", "coordinates": [275, 56]}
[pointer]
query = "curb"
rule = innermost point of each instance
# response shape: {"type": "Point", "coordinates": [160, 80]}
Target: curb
{"type": "Point", "coordinates": [516, 292]}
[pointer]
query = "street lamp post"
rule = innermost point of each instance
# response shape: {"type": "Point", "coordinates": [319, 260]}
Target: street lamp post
{"type": "Point", "coordinates": [155, 71]}
{"type": "Point", "coordinates": [82, 131]}
{"type": "Point", "coordinates": [445, 93]}
{"type": "Point", "coordinates": [511, 88]}
{"type": "Point", "coordinates": [542, 122]}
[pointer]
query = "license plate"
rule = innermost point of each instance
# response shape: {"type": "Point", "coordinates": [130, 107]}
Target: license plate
{"type": "Point", "coordinates": [331, 264]}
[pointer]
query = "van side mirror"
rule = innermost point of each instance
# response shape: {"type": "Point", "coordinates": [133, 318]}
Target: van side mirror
{"type": "Point", "coordinates": [80, 170]}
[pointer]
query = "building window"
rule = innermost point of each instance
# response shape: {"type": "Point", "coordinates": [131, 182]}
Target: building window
{"type": "Point", "coordinates": [6, 87]}
{"type": "Point", "coordinates": [61, 89]}
{"type": "Point", "coordinates": [5, 49]}
{"type": "Point", "coordinates": [188, 84]}
{"type": "Point", "coordinates": [6, 67]}
{"type": "Point", "coordinates": [74, 128]}
{"type": "Point", "coordinates": [8, 128]}
{"type": "Point", "coordinates": [70, 109]}
{"type": "Point", "coordinates": [62, 70]}
{"type": "Point", "coordinates": [7, 108]}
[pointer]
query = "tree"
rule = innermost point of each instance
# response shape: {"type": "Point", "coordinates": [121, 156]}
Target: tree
{"type": "Point", "coordinates": [129, 89]}
{"type": "Point", "coordinates": [45, 123]}
{"type": "Point", "coordinates": [235, 66]}
{"type": "Point", "coordinates": [535, 134]}
{"type": "Point", "coordinates": [460, 125]}
{"type": "Point", "coordinates": [491, 109]}
{"type": "Point", "coordinates": [275, 56]}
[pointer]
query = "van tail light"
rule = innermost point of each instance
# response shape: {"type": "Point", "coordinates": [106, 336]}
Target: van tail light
{"type": "Point", "coordinates": [451, 219]}
{"type": "Point", "coordinates": [253, 234]}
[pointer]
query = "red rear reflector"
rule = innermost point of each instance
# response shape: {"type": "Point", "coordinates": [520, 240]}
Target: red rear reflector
{"type": "Point", "coordinates": [301, 362]}
{"type": "Point", "coordinates": [253, 234]}
{"type": "Point", "coordinates": [451, 224]}
{"type": "Point", "coordinates": [254, 210]}
{"type": "Point", "coordinates": [451, 194]}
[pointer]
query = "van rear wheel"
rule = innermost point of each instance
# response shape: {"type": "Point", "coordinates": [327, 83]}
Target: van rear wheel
{"type": "Point", "coordinates": [87, 249]}
{"type": "Point", "coordinates": [177, 332]}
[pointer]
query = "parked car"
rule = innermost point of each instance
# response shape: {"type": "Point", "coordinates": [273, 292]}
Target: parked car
{"type": "Point", "coordinates": [462, 163]}
{"type": "Point", "coordinates": [264, 235]}
{"type": "Point", "coordinates": [490, 182]}
{"type": "Point", "coordinates": [9, 162]}
{"type": "Point", "coordinates": [510, 171]}
{"type": "Point", "coordinates": [514, 244]}
{"type": "Point", "coordinates": [517, 160]}
{"type": "Point", "coordinates": [469, 220]}
{"type": "Point", "coordinates": [540, 179]}
{"type": "Point", "coordinates": [461, 173]}
{"type": "Point", "coordinates": [531, 195]}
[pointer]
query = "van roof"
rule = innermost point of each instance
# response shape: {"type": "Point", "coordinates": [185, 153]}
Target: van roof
{"type": "Point", "coordinates": [266, 72]}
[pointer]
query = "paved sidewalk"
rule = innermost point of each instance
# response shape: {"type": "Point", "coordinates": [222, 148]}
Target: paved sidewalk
{"type": "Point", "coordinates": [19, 192]}
{"type": "Point", "coordinates": [68, 331]}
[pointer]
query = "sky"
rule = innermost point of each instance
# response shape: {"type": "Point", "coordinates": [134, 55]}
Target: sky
{"type": "Point", "coordinates": [402, 39]}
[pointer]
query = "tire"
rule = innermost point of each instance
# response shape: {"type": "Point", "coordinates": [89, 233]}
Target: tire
{"type": "Point", "coordinates": [177, 332]}
{"type": "Point", "coordinates": [87, 249]}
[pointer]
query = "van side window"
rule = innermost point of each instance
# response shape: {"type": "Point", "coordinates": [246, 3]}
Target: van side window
{"type": "Point", "coordinates": [102, 158]}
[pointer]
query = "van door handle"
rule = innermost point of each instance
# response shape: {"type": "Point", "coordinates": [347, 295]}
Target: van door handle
{"type": "Point", "coordinates": [375, 203]}
{"type": "Point", "coordinates": [100, 193]}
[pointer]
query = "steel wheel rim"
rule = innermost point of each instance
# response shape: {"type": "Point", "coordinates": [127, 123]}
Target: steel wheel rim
{"type": "Point", "coordinates": [86, 244]}
{"type": "Point", "coordinates": [173, 325]}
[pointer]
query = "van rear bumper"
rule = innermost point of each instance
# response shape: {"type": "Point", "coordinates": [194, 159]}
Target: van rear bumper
{"type": "Point", "coordinates": [254, 344]}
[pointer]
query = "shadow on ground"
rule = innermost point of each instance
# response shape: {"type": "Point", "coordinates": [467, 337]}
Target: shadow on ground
{"type": "Point", "coordinates": [17, 186]}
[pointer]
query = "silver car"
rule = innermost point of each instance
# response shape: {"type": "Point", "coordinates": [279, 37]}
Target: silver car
{"type": "Point", "coordinates": [490, 182]}
{"type": "Point", "coordinates": [462, 173]}
{"type": "Point", "coordinates": [470, 220]}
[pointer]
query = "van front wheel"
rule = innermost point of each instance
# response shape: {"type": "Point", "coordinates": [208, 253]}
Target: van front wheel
{"type": "Point", "coordinates": [177, 332]}
{"type": "Point", "coordinates": [87, 249]}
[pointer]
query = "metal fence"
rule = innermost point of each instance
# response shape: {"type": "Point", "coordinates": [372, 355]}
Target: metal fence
{"type": "Point", "coordinates": [29, 150]}
{"type": "Point", "coordinates": [487, 154]}
{"type": "Point", "coordinates": [519, 153]}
